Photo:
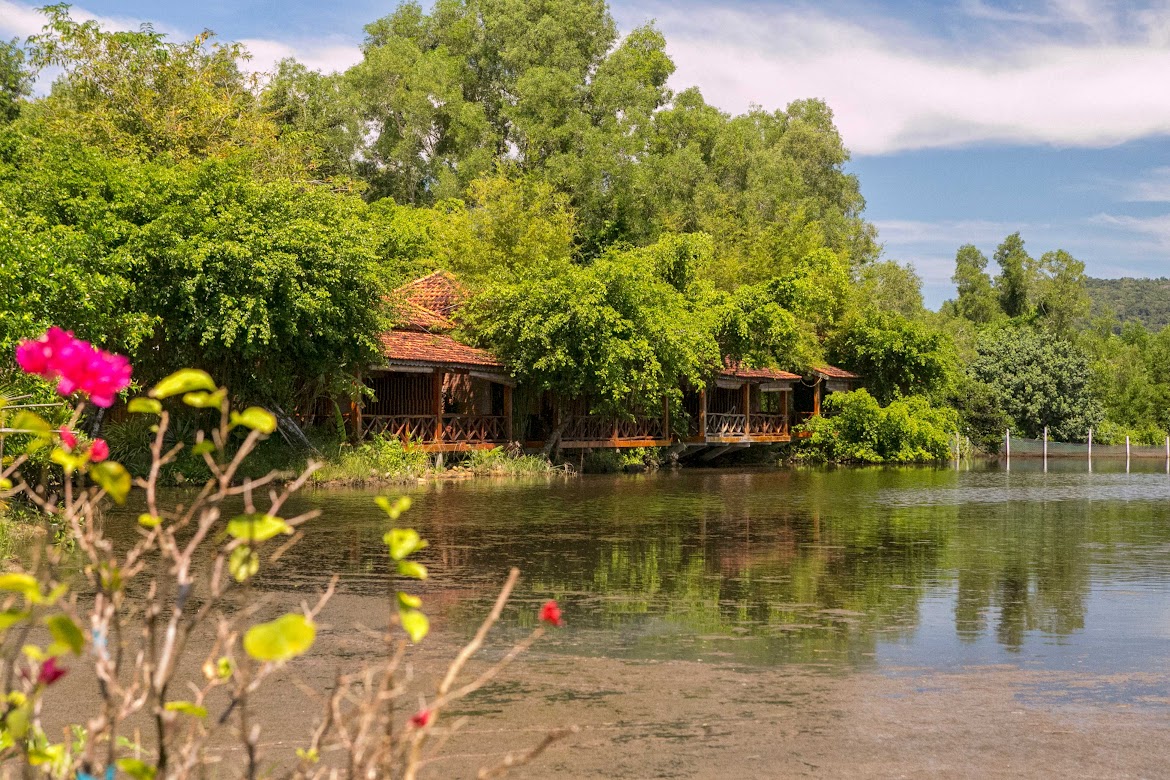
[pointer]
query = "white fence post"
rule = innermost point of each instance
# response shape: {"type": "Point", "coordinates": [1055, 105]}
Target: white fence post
{"type": "Point", "coordinates": [1045, 449]}
{"type": "Point", "coordinates": [1126, 454]}
{"type": "Point", "coordinates": [1007, 439]}
{"type": "Point", "coordinates": [1090, 450]}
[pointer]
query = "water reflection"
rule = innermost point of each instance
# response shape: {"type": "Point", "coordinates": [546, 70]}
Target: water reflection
{"type": "Point", "coordinates": [832, 567]}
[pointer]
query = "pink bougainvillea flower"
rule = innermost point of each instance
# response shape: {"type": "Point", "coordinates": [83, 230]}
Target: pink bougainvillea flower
{"type": "Point", "coordinates": [99, 450]}
{"type": "Point", "coordinates": [420, 719]}
{"type": "Point", "coordinates": [67, 437]}
{"type": "Point", "coordinates": [50, 672]}
{"type": "Point", "coordinates": [550, 613]}
{"type": "Point", "coordinates": [76, 365]}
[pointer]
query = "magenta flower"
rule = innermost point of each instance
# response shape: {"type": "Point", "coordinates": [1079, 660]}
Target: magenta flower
{"type": "Point", "coordinates": [99, 450]}
{"type": "Point", "coordinates": [67, 437]}
{"type": "Point", "coordinates": [76, 365]}
{"type": "Point", "coordinates": [550, 613]}
{"type": "Point", "coordinates": [50, 672]}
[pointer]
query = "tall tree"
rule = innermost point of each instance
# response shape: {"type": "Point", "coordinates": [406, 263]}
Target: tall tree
{"type": "Point", "coordinates": [977, 301]}
{"type": "Point", "coordinates": [1016, 281]}
{"type": "Point", "coordinates": [15, 80]}
{"type": "Point", "coordinates": [1061, 295]}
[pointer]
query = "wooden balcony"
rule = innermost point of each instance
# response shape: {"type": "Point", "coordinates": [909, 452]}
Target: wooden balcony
{"type": "Point", "coordinates": [594, 431]}
{"type": "Point", "coordinates": [458, 432]}
{"type": "Point", "coordinates": [756, 428]}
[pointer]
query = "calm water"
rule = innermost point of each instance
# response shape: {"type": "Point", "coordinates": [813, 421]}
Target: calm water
{"type": "Point", "coordinates": [846, 569]}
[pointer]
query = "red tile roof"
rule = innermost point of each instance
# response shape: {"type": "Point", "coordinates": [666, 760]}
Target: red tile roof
{"type": "Point", "coordinates": [832, 372]}
{"type": "Point", "coordinates": [438, 292]}
{"type": "Point", "coordinates": [412, 347]}
{"type": "Point", "coordinates": [735, 368]}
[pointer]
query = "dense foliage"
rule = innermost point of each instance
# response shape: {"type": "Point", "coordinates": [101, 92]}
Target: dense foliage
{"type": "Point", "coordinates": [857, 429]}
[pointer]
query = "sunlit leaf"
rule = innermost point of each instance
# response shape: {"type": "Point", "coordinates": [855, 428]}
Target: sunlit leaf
{"type": "Point", "coordinates": [143, 406]}
{"type": "Point", "coordinates": [187, 708]}
{"type": "Point", "coordinates": [403, 542]}
{"type": "Point", "coordinates": [257, 527]}
{"type": "Point", "coordinates": [279, 640]}
{"type": "Point", "coordinates": [224, 668]}
{"type": "Point", "coordinates": [243, 563]}
{"type": "Point", "coordinates": [393, 508]}
{"type": "Point", "coordinates": [24, 420]}
{"type": "Point", "coordinates": [5, 483]}
{"type": "Point", "coordinates": [113, 477]}
{"type": "Point", "coordinates": [255, 418]}
{"type": "Point", "coordinates": [416, 571]}
{"type": "Point", "coordinates": [185, 380]}
{"type": "Point", "coordinates": [11, 617]}
{"type": "Point", "coordinates": [66, 634]}
{"type": "Point", "coordinates": [147, 520]}
{"type": "Point", "coordinates": [408, 601]}
{"type": "Point", "coordinates": [204, 447]}
{"type": "Point", "coordinates": [19, 582]}
{"type": "Point", "coordinates": [139, 770]}
{"type": "Point", "coordinates": [16, 722]}
{"type": "Point", "coordinates": [202, 399]}
{"type": "Point", "coordinates": [414, 623]}
{"type": "Point", "coordinates": [311, 756]}
{"type": "Point", "coordinates": [67, 461]}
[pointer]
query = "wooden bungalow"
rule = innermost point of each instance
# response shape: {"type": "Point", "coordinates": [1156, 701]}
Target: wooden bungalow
{"type": "Point", "coordinates": [430, 389]}
{"type": "Point", "coordinates": [581, 429]}
{"type": "Point", "coordinates": [811, 390]}
{"type": "Point", "coordinates": [742, 406]}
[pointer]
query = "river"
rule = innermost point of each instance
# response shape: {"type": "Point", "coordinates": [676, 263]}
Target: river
{"type": "Point", "coordinates": [784, 622]}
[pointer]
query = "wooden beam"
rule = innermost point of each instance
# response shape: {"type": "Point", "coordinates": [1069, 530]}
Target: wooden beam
{"type": "Point", "coordinates": [703, 413]}
{"type": "Point", "coordinates": [747, 409]}
{"type": "Point", "coordinates": [817, 389]}
{"type": "Point", "coordinates": [666, 417]}
{"type": "Point", "coordinates": [356, 410]}
{"type": "Point", "coordinates": [508, 410]}
{"type": "Point", "coordinates": [437, 403]}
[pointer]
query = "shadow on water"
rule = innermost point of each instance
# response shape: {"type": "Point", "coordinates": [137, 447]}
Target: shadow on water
{"type": "Point", "coordinates": [840, 568]}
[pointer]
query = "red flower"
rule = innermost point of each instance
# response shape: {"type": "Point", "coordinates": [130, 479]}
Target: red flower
{"type": "Point", "coordinates": [76, 365]}
{"type": "Point", "coordinates": [420, 719]}
{"type": "Point", "coordinates": [67, 437]}
{"type": "Point", "coordinates": [551, 613]}
{"type": "Point", "coordinates": [99, 450]}
{"type": "Point", "coordinates": [50, 672]}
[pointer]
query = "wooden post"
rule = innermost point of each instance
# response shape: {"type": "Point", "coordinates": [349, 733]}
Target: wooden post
{"type": "Point", "coordinates": [785, 408]}
{"type": "Point", "coordinates": [437, 403]}
{"type": "Point", "coordinates": [1168, 454]}
{"type": "Point", "coordinates": [703, 414]}
{"type": "Point", "coordinates": [508, 411]}
{"type": "Point", "coordinates": [817, 397]}
{"type": "Point", "coordinates": [357, 414]}
{"type": "Point", "coordinates": [747, 409]}
{"type": "Point", "coordinates": [665, 418]}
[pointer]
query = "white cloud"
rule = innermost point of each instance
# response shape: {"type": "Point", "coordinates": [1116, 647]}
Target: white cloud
{"type": "Point", "coordinates": [893, 88]}
{"type": "Point", "coordinates": [327, 56]}
{"type": "Point", "coordinates": [957, 232]}
{"type": "Point", "coordinates": [1153, 188]}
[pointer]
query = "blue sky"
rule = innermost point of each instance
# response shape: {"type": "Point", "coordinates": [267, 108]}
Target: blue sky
{"type": "Point", "coordinates": [968, 119]}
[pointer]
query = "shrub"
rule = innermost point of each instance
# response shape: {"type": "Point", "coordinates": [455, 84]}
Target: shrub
{"type": "Point", "coordinates": [857, 429]}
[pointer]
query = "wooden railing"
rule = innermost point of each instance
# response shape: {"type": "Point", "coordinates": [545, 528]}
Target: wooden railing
{"type": "Point", "coordinates": [416, 427]}
{"type": "Point", "coordinates": [725, 424]}
{"type": "Point", "coordinates": [474, 427]}
{"type": "Point", "coordinates": [595, 427]}
{"type": "Point", "coordinates": [768, 424]}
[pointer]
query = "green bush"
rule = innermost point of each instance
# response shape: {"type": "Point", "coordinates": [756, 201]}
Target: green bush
{"type": "Point", "coordinates": [375, 459]}
{"type": "Point", "coordinates": [857, 429]}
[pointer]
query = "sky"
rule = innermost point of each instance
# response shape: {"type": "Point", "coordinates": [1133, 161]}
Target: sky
{"type": "Point", "coordinates": [967, 119]}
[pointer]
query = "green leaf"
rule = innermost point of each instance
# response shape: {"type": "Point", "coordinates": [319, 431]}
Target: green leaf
{"type": "Point", "coordinates": [139, 770]}
{"type": "Point", "coordinates": [255, 418]}
{"type": "Point", "coordinates": [33, 423]}
{"type": "Point", "coordinates": [403, 542]}
{"type": "Point", "coordinates": [415, 571]}
{"type": "Point", "coordinates": [65, 633]}
{"type": "Point", "coordinates": [18, 582]}
{"type": "Point", "coordinates": [414, 623]}
{"type": "Point", "coordinates": [224, 668]}
{"type": "Point", "coordinates": [408, 601]}
{"type": "Point", "coordinates": [147, 520]}
{"type": "Point", "coordinates": [279, 640]}
{"type": "Point", "coordinates": [187, 708]}
{"type": "Point", "coordinates": [393, 509]}
{"type": "Point", "coordinates": [113, 477]}
{"type": "Point", "coordinates": [204, 447]}
{"type": "Point", "coordinates": [144, 406]}
{"type": "Point", "coordinates": [11, 617]}
{"type": "Point", "coordinates": [185, 380]}
{"type": "Point", "coordinates": [5, 483]}
{"type": "Point", "coordinates": [69, 462]}
{"type": "Point", "coordinates": [257, 527]}
{"type": "Point", "coordinates": [204, 400]}
{"type": "Point", "coordinates": [243, 563]}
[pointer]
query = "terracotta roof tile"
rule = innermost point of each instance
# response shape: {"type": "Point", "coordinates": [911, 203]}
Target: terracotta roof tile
{"type": "Point", "coordinates": [405, 346]}
{"type": "Point", "coordinates": [735, 368]}
{"type": "Point", "coordinates": [832, 372]}
{"type": "Point", "coordinates": [438, 292]}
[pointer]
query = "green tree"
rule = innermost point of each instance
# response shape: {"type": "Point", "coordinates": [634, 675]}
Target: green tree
{"type": "Point", "coordinates": [1016, 282]}
{"type": "Point", "coordinates": [1039, 381]}
{"type": "Point", "coordinates": [1062, 299]}
{"type": "Point", "coordinates": [977, 301]}
{"type": "Point", "coordinates": [890, 286]}
{"type": "Point", "coordinates": [897, 356]}
{"type": "Point", "coordinates": [15, 80]}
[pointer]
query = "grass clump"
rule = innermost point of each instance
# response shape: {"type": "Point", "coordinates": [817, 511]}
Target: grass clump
{"type": "Point", "coordinates": [375, 460]}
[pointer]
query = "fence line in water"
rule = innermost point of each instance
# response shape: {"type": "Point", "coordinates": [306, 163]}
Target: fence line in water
{"type": "Point", "coordinates": [1045, 448]}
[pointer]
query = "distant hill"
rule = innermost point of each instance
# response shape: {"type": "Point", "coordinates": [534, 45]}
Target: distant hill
{"type": "Point", "coordinates": [1144, 300]}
